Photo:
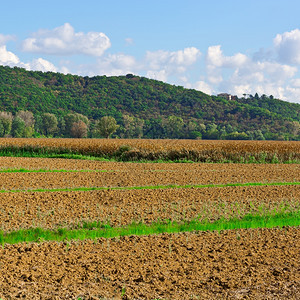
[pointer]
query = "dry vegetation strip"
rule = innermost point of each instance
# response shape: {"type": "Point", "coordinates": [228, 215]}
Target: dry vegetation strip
{"type": "Point", "coordinates": [235, 264]}
{"type": "Point", "coordinates": [269, 151]}
{"type": "Point", "coordinates": [122, 207]}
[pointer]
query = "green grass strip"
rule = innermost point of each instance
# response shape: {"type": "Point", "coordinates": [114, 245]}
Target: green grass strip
{"type": "Point", "coordinates": [63, 234]}
{"type": "Point", "coordinates": [22, 170]}
{"type": "Point", "coordinates": [155, 187]}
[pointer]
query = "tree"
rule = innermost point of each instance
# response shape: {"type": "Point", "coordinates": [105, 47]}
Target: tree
{"type": "Point", "coordinates": [174, 126]}
{"type": "Point", "coordinates": [18, 127]}
{"type": "Point", "coordinates": [5, 123]}
{"type": "Point", "coordinates": [293, 127]}
{"type": "Point", "coordinates": [212, 132]}
{"type": "Point", "coordinates": [79, 129]}
{"type": "Point", "coordinates": [27, 117]}
{"type": "Point", "coordinates": [258, 135]}
{"type": "Point", "coordinates": [72, 118]}
{"type": "Point", "coordinates": [49, 124]}
{"type": "Point", "coordinates": [133, 127]}
{"type": "Point", "coordinates": [106, 126]}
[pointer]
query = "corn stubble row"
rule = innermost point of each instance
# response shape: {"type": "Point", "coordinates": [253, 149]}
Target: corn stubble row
{"type": "Point", "coordinates": [137, 149]}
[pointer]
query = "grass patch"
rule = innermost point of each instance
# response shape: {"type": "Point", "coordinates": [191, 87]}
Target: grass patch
{"type": "Point", "coordinates": [155, 187]}
{"type": "Point", "coordinates": [105, 231]}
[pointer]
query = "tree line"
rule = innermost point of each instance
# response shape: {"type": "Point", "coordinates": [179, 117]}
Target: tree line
{"type": "Point", "coordinates": [142, 108]}
{"type": "Point", "coordinates": [76, 125]}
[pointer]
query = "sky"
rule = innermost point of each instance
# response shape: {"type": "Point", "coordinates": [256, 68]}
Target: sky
{"type": "Point", "coordinates": [233, 46]}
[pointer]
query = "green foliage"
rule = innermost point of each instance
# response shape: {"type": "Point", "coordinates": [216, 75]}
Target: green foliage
{"type": "Point", "coordinates": [75, 125]}
{"type": "Point", "coordinates": [5, 123]}
{"type": "Point", "coordinates": [106, 126]}
{"type": "Point", "coordinates": [18, 127]}
{"type": "Point", "coordinates": [151, 107]}
{"type": "Point", "coordinates": [49, 124]}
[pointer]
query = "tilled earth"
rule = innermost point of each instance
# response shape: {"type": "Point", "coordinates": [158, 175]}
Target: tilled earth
{"type": "Point", "coordinates": [122, 207]}
{"type": "Point", "coordinates": [137, 174]}
{"type": "Point", "coordinates": [235, 264]}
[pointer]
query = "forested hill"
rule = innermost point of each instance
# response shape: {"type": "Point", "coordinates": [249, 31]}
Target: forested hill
{"type": "Point", "coordinates": [151, 106]}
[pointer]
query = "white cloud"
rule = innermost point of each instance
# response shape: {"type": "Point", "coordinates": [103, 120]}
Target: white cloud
{"type": "Point", "coordinates": [216, 61]}
{"type": "Point", "coordinates": [8, 58]}
{"type": "Point", "coordinates": [158, 75]}
{"type": "Point", "coordinates": [41, 64]}
{"type": "Point", "coordinates": [161, 65]}
{"type": "Point", "coordinates": [287, 46]}
{"type": "Point", "coordinates": [64, 40]}
{"type": "Point", "coordinates": [203, 87]}
{"type": "Point", "coordinates": [111, 65]}
{"type": "Point", "coordinates": [239, 74]}
{"type": "Point", "coordinates": [158, 65]}
{"type": "Point", "coordinates": [215, 58]}
{"type": "Point", "coordinates": [176, 61]}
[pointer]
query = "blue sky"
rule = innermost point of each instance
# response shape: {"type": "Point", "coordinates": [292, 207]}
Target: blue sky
{"type": "Point", "coordinates": [214, 46]}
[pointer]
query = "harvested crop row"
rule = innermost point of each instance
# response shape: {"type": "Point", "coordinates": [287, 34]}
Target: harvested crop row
{"type": "Point", "coordinates": [235, 264]}
{"type": "Point", "coordinates": [134, 175]}
{"type": "Point", "coordinates": [33, 163]}
{"type": "Point", "coordinates": [216, 151]}
{"type": "Point", "coordinates": [122, 207]}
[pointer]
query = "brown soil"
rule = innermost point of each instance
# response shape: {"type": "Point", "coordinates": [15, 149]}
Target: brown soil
{"type": "Point", "coordinates": [237, 264]}
{"type": "Point", "coordinates": [241, 264]}
{"type": "Point", "coordinates": [137, 174]}
{"type": "Point", "coordinates": [121, 207]}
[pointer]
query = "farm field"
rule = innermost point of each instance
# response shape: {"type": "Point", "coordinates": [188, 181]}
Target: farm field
{"type": "Point", "coordinates": [110, 174]}
{"type": "Point", "coordinates": [234, 264]}
{"type": "Point", "coordinates": [257, 263]}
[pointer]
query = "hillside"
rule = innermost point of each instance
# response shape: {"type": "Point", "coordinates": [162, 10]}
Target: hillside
{"type": "Point", "coordinates": [150, 102]}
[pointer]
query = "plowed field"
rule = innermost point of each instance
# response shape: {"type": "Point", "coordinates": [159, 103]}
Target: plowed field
{"type": "Point", "coordinates": [137, 174]}
{"type": "Point", "coordinates": [122, 207]}
{"type": "Point", "coordinates": [236, 264]}
{"type": "Point", "coordinates": [242, 264]}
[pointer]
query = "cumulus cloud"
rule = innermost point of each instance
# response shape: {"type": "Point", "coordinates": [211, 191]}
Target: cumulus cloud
{"type": "Point", "coordinates": [8, 58]}
{"type": "Point", "coordinates": [287, 46]}
{"type": "Point", "coordinates": [111, 65]}
{"type": "Point", "coordinates": [239, 74]}
{"type": "Point", "coordinates": [177, 61]}
{"type": "Point", "coordinates": [203, 87]}
{"type": "Point", "coordinates": [64, 40]}
{"type": "Point", "coordinates": [158, 75]}
{"type": "Point", "coordinates": [161, 64]}
{"type": "Point", "coordinates": [41, 64]}
{"type": "Point", "coordinates": [215, 58]}
{"type": "Point", "coordinates": [216, 61]}
{"type": "Point", "coordinates": [158, 65]}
